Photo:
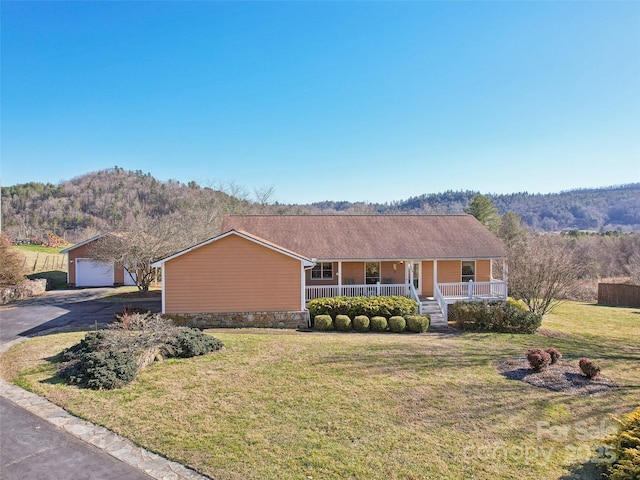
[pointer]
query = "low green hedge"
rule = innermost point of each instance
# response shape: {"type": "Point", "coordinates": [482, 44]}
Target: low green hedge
{"type": "Point", "coordinates": [501, 317]}
{"type": "Point", "coordinates": [362, 323]}
{"type": "Point", "coordinates": [369, 306]}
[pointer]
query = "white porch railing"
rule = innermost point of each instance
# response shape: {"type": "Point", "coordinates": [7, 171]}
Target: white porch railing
{"type": "Point", "coordinates": [376, 289]}
{"type": "Point", "coordinates": [415, 296]}
{"type": "Point", "coordinates": [473, 290]}
{"type": "Point", "coordinates": [443, 292]}
{"type": "Point", "coordinates": [442, 303]}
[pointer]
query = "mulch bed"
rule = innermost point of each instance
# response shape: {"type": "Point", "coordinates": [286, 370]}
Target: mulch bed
{"type": "Point", "coordinates": [560, 377]}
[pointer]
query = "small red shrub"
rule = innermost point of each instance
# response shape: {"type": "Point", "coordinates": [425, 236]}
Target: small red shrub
{"type": "Point", "coordinates": [554, 354]}
{"type": "Point", "coordinates": [589, 368]}
{"type": "Point", "coordinates": [538, 358]}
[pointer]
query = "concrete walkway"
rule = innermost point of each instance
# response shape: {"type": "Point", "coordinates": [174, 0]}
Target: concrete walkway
{"type": "Point", "coordinates": [41, 441]}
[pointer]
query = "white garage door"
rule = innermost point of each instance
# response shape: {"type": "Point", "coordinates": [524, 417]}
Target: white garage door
{"type": "Point", "coordinates": [91, 273]}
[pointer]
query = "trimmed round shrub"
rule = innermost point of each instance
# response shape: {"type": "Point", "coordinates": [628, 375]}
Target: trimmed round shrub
{"type": "Point", "coordinates": [379, 324]}
{"type": "Point", "coordinates": [538, 358]}
{"type": "Point", "coordinates": [589, 368]}
{"type": "Point", "coordinates": [555, 355]}
{"type": "Point", "coordinates": [323, 322]}
{"type": "Point", "coordinates": [397, 324]}
{"type": "Point", "coordinates": [361, 323]}
{"type": "Point", "coordinates": [369, 306]}
{"type": "Point", "coordinates": [342, 323]}
{"type": "Point", "coordinates": [418, 323]}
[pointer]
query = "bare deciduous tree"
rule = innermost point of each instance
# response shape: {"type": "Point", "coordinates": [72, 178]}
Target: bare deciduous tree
{"type": "Point", "coordinates": [543, 272]}
{"type": "Point", "coordinates": [634, 268]}
{"type": "Point", "coordinates": [143, 242]}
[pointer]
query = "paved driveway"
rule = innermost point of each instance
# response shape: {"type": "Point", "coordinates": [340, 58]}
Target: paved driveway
{"type": "Point", "coordinates": [60, 309]}
{"type": "Point", "coordinates": [31, 447]}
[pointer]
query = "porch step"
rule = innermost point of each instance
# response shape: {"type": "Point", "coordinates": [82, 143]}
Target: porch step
{"type": "Point", "coordinates": [432, 308]}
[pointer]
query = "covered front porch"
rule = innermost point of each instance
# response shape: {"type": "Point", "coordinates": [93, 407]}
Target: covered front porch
{"type": "Point", "coordinates": [429, 282]}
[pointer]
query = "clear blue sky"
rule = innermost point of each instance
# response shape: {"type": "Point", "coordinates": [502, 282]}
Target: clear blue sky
{"type": "Point", "coordinates": [374, 101]}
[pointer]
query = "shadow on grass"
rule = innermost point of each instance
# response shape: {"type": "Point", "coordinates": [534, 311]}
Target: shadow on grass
{"type": "Point", "coordinates": [584, 471]}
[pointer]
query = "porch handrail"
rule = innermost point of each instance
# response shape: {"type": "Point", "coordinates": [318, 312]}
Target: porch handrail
{"type": "Point", "coordinates": [415, 296]}
{"type": "Point", "coordinates": [442, 303]}
{"type": "Point", "coordinates": [495, 289]}
{"type": "Point", "coordinates": [362, 290]}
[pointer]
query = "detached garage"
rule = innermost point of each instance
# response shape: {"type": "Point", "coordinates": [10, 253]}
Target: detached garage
{"type": "Point", "coordinates": [84, 271]}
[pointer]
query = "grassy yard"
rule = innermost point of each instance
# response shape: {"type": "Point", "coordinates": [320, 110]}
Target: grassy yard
{"type": "Point", "coordinates": [381, 406]}
{"type": "Point", "coordinates": [38, 258]}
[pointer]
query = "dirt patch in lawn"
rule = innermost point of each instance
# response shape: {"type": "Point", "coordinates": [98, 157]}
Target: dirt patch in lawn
{"type": "Point", "coordinates": [560, 377]}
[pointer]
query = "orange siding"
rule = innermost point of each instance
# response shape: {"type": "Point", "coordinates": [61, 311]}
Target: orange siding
{"type": "Point", "coordinates": [449, 271]}
{"type": "Point", "coordinates": [427, 278]}
{"type": "Point", "coordinates": [389, 275]}
{"type": "Point", "coordinates": [352, 272]}
{"type": "Point", "coordinates": [483, 270]}
{"type": "Point", "coordinates": [232, 274]}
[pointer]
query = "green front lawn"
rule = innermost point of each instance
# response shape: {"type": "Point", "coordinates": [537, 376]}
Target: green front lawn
{"type": "Point", "coordinates": [386, 406]}
{"type": "Point", "coordinates": [38, 248]}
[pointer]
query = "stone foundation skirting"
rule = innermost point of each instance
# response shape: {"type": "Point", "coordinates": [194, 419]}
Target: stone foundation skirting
{"type": "Point", "coordinates": [242, 319]}
{"type": "Point", "coordinates": [30, 288]}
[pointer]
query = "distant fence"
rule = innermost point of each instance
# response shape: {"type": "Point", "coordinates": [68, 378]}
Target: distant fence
{"type": "Point", "coordinates": [619, 294]}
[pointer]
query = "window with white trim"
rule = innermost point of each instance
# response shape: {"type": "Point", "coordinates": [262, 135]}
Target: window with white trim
{"type": "Point", "coordinates": [322, 271]}
{"type": "Point", "coordinates": [469, 271]}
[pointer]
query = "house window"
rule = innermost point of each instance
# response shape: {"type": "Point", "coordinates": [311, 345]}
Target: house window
{"type": "Point", "coordinates": [469, 271]}
{"type": "Point", "coordinates": [371, 272]}
{"type": "Point", "coordinates": [322, 271]}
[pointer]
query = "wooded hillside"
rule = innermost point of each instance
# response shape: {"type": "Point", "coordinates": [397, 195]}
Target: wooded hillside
{"type": "Point", "coordinates": [99, 201]}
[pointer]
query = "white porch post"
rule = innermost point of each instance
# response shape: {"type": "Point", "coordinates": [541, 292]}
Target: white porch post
{"type": "Point", "coordinates": [491, 270]}
{"type": "Point", "coordinates": [303, 288]}
{"type": "Point", "coordinates": [340, 278]}
{"type": "Point", "coordinates": [164, 290]}
{"type": "Point", "coordinates": [411, 273]}
{"type": "Point", "coordinates": [435, 276]}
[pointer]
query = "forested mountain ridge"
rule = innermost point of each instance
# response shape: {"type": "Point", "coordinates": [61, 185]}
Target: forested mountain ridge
{"type": "Point", "coordinates": [597, 209]}
{"type": "Point", "coordinates": [95, 202]}
{"type": "Point", "coordinates": [608, 208]}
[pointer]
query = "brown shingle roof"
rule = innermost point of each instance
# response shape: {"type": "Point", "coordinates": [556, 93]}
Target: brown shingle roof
{"type": "Point", "coordinates": [379, 237]}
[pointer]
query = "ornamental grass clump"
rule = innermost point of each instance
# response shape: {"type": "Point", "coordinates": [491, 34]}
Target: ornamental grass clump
{"type": "Point", "coordinates": [361, 323]}
{"type": "Point", "coordinates": [626, 445]}
{"type": "Point", "coordinates": [342, 323]}
{"type": "Point", "coordinates": [589, 368]}
{"type": "Point", "coordinates": [538, 359]}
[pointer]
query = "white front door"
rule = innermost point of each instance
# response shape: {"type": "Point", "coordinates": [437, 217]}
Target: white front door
{"type": "Point", "coordinates": [417, 278]}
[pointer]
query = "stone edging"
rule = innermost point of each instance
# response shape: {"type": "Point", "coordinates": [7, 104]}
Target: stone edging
{"type": "Point", "coordinates": [118, 447]}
